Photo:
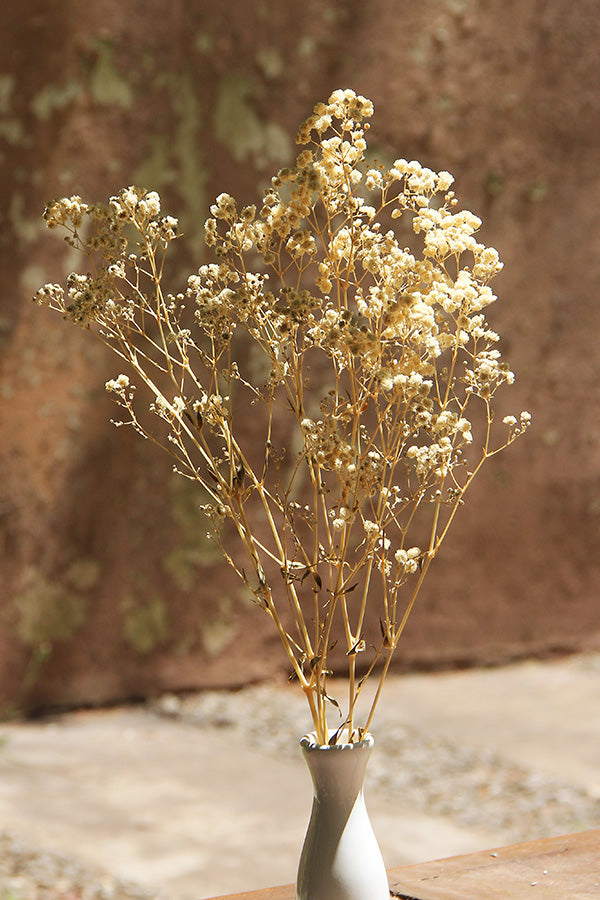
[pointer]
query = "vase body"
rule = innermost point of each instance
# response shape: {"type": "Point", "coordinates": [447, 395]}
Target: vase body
{"type": "Point", "coordinates": [340, 858]}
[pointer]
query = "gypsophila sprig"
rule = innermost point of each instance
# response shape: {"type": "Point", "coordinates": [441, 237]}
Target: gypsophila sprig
{"type": "Point", "coordinates": [377, 356]}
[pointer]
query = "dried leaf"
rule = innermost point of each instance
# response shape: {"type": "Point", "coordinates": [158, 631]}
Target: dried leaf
{"type": "Point", "coordinates": [317, 578]}
{"type": "Point", "coordinates": [333, 739]}
{"type": "Point", "coordinates": [333, 702]}
{"type": "Point", "coordinates": [240, 475]}
{"type": "Point", "coordinates": [385, 634]}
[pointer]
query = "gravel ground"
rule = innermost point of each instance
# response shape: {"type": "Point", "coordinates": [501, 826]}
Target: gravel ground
{"type": "Point", "coordinates": [26, 873]}
{"type": "Point", "coordinates": [477, 789]}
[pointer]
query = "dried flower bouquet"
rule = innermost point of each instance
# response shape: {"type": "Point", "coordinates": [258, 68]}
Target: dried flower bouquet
{"type": "Point", "coordinates": [367, 368]}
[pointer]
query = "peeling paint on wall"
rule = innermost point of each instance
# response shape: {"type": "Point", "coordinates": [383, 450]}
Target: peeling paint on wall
{"type": "Point", "coordinates": [53, 97]}
{"type": "Point", "coordinates": [50, 610]}
{"type": "Point", "coordinates": [146, 624]}
{"type": "Point", "coordinates": [270, 61]}
{"type": "Point", "coordinates": [238, 127]}
{"type": "Point", "coordinates": [175, 158]}
{"type": "Point", "coordinates": [220, 630]}
{"type": "Point", "coordinates": [11, 130]}
{"type": "Point", "coordinates": [194, 550]}
{"type": "Point", "coordinates": [7, 86]}
{"type": "Point", "coordinates": [107, 84]}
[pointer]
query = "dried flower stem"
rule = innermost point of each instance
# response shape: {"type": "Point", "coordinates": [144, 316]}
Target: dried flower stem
{"type": "Point", "coordinates": [374, 355]}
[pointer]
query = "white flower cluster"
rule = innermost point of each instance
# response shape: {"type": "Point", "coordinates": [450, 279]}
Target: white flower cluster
{"type": "Point", "coordinates": [408, 560]}
{"type": "Point", "coordinates": [446, 234]}
{"type": "Point", "coordinates": [142, 209]}
{"type": "Point", "coordinates": [67, 211]}
{"type": "Point", "coordinates": [169, 411]}
{"type": "Point", "coordinates": [131, 203]}
{"type": "Point", "coordinates": [341, 518]}
{"type": "Point", "coordinates": [372, 529]}
{"type": "Point", "coordinates": [122, 387]}
{"type": "Point", "coordinates": [50, 295]}
{"type": "Point", "coordinates": [344, 105]}
{"type": "Point", "coordinates": [431, 459]}
{"type": "Point", "coordinates": [517, 427]}
{"type": "Point", "coordinates": [211, 409]}
{"type": "Point", "coordinates": [84, 295]}
{"type": "Point", "coordinates": [324, 443]}
{"type": "Point", "coordinates": [487, 374]}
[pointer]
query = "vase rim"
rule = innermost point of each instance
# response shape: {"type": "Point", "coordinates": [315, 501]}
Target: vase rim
{"type": "Point", "coordinates": [310, 742]}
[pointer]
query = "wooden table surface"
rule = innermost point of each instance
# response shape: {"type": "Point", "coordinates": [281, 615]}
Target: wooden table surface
{"type": "Point", "coordinates": [560, 868]}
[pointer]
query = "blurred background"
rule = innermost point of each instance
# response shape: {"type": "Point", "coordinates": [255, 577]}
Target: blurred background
{"type": "Point", "coordinates": [108, 588]}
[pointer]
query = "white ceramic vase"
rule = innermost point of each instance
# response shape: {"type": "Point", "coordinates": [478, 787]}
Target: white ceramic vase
{"type": "Point", "coordinates": [340, 858]}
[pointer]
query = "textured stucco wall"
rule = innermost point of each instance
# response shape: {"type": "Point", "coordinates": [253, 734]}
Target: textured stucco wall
{"type": "Point", "coordinates": [108, 587]}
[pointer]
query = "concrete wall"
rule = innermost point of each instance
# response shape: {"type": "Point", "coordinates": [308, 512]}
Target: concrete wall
{"type": "Point", "coordinates": [108, 588]}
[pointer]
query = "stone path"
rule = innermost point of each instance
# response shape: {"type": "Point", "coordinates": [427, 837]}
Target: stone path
{"type": "Point", "coordinates": [190, 798]}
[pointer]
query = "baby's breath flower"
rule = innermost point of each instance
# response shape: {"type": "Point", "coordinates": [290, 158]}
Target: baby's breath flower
{"type": "Point", "coordinates": [152, 201]}
{"type": "Point", "coordinates": [408, 560]}
{"type": "Point", "coordinates": [122, 388]}
{"type": "Point", "coordinates": [375, 352]}
{"type": "Point", "coordinates": [464, 427]}
{"type": "Point", "coordinates": [373, 180]}
{"type": "Point", "coordinates": [224, 208]}
{"type": "Point", "coordinates": [50, 295]}
{"type": "Point", "coordinates": [372, 529]}
{"type": "Point", "coordinates": [125, 202]}
{"type": "Point", "coordinates": [117, 384]}
{"type": "Point", "coordinates": [161, 408]}
{"type": "Point", "coordinates": [324, 284]}
{"type": "Point", "coordinates": [67, 210]}
{"type": "Point", "coordinates": [444, 180]}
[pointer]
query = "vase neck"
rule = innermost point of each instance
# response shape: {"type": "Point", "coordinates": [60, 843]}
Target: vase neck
{"type": "Point", "coordinates": [338, 772]}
